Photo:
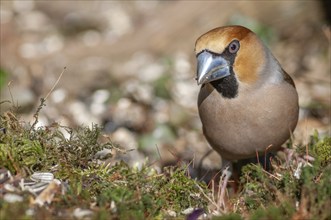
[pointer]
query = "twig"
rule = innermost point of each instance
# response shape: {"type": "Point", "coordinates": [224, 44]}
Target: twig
{"type": "Point", "coordinates": [265, 156]}
{"type": "Point", "coordinates": [257, 156]}
{"type": "Point", "coordinates": [269, 173]}
{"type": "Point", "coordinates": [43, 100]}
{"type": "Point", "coordinates": [11, 95]}
{"type": "Point", "coordinates": [212, 201]}
{"type": "Point", "coordinates": [158, 152]}
{"type": "Point", "coordinates": [55, 84]}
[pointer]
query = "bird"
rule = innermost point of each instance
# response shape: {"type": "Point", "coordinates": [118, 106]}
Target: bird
{"type": "Point", "coordinates": [247, 103]}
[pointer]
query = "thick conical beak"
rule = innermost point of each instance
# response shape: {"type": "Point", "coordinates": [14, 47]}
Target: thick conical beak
{"type": "Point", "coordinates": [211, 67]}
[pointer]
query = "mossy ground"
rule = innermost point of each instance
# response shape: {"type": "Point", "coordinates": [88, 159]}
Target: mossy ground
{"type": "Point", "coordinates": [112, 189]}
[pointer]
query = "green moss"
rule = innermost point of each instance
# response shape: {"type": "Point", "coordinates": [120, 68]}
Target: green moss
{"type": "Point", "coordinates": [24, 149]}
{"type": "Point", "coordinates": [322, 151]}
{"type": "Point", "coordinates": [278, 194]}
{"type": "Point", "coordinates": [256, 187]}
{"type": "Point", "coordinates": [116, 190]}
{"type": "Point", "coordinates": [315, 194]}
{"type": "Point", "coordinates": [3, 77]}
{"type": "Point", "coordinates": [231, 216]}
{"type": "Point", "coordinates": [179, 191]}
{"type": "Point", "coordinates": [272, 212]}
{"type": "Point", "coordinates": [19, 153]}
{"type": "Point", "coordinates": [15, 210]}
{"type": "Point", "coordinates": [319, 148]}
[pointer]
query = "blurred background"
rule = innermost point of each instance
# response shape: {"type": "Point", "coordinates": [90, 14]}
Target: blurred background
{"type": "Point", "coordinates": [130, 66]}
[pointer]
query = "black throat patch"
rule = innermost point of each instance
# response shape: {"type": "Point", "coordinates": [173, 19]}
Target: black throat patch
{"type": "Point", "coordinates": [227, 86]}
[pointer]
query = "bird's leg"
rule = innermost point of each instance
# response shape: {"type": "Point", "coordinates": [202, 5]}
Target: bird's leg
{"type": "Point", "coordinates": [226, 174]}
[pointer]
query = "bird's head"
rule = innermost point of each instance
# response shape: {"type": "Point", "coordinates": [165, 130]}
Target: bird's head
{"type": "Point", "coordinates": [229, 55]}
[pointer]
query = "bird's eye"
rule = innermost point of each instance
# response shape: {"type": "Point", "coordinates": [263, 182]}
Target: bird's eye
{"type": "Point", "coordinates": [234, 46]}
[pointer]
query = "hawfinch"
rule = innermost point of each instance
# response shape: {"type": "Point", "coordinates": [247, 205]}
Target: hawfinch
{"type": "Point", "coordinates": [247, 103]}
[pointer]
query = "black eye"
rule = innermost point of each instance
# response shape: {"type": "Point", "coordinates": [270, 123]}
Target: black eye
{"type": "Point", "coordinates": [234, 46]}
